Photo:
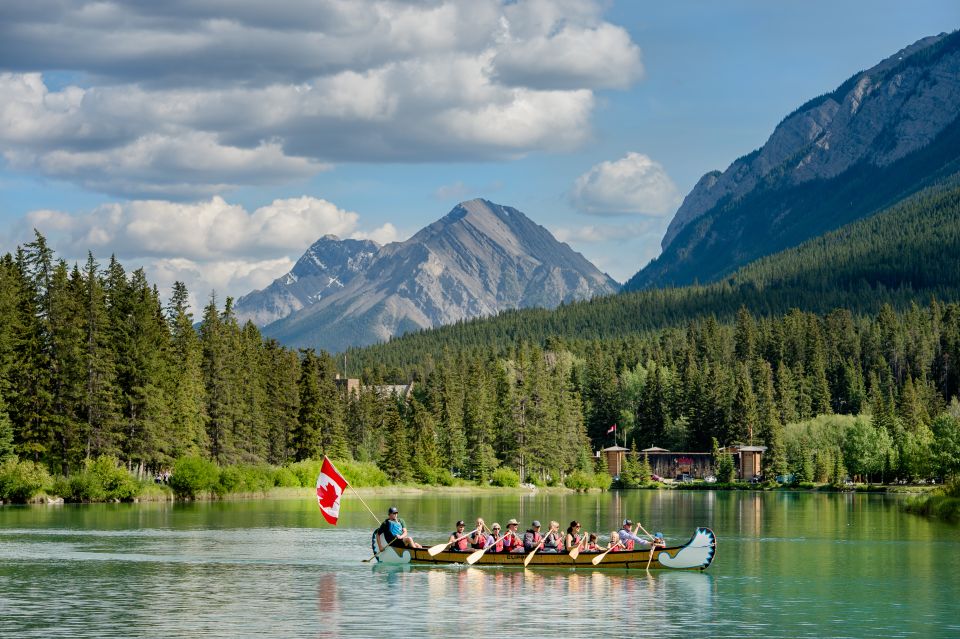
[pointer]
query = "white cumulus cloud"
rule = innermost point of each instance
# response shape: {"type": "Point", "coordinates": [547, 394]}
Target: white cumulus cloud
{"type": "Point", "coordinates": [209, 245]}
{"type": "Point", "coordinates": [185, 99]}
{"type": "Point", "coordinates": [634, 184]}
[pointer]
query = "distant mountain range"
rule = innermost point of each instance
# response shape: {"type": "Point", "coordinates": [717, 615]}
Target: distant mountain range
{"type": "Point", "coordinates": [478, 260]}
{"type": "Point", "coordinates": [882, 135]}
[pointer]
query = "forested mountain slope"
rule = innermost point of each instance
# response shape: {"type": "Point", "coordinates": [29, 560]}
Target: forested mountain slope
{"type": "Point", "coordinates": [883, 134]}
{"type": "Point", "coordinates": [910, 252]}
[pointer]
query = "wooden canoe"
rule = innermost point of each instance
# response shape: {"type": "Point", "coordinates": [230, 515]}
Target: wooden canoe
{"type": "Point", "coordinates": [696, 554]}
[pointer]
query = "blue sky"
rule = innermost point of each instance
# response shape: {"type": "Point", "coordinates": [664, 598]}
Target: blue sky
{"type": "Point", "coordinates": [214, 147]}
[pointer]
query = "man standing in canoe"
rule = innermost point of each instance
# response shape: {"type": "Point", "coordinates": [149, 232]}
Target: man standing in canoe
{"type": "Point", "coordinates": [394, 531]}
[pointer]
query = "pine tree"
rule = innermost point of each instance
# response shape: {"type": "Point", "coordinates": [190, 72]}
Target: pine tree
{"type": "Point", "coordinates": [305, 439]}
{"type": "Point", "coordinates": [396, 460]}
{"type": "Point", "coordinates": [426, 460]}
{"type": "Point", "coordinates": [6, 432]}
{"type": "Point", "coordinates": [745, 409]}
{"type": "Point", "coordinates": [188, 414]}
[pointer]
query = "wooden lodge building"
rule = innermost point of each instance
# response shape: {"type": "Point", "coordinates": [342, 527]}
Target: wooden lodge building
{"type": "Point", "coordinates": [669, 465]}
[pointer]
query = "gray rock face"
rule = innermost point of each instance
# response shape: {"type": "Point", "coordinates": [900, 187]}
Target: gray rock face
{"type": "Point", "coordinates": [877, 117]}
{"type": "Point", "coordinates": [327, 266]}
{"type": "Point", "coordinates": [478, 260]}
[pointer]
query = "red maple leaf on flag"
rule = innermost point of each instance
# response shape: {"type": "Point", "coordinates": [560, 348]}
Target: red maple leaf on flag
{"type": "Point", "coordinates": [327, 496]}
{"type": "Point", "coordinates": [330, 485]}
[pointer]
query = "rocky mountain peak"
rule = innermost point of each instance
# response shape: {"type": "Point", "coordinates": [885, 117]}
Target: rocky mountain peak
{"type": "Point", "coordinates": [876, 117]}
{"type": "Point", "coordinates": [479, 259]}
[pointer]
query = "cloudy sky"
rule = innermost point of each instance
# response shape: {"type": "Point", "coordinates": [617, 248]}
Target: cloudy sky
{"type": "Point", "coordinates": [212, 141]}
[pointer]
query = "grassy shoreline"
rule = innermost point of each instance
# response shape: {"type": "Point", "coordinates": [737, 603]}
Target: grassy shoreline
{"type": "Point", "coordinates": [163, 493]}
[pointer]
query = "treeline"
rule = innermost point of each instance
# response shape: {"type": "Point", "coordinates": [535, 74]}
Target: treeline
{"type": "Point", "coordinates": [92, 364]}
{"type": "Point", "coordinates": [908, 254]}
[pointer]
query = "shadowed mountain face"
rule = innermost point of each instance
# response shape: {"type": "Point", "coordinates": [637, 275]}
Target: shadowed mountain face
{"type": "Point", "coordinates": [882, 135]}
{"type": "Point", "coordinates": [480, 259]}
{"type": "Point", "coordinates": [327, 266]}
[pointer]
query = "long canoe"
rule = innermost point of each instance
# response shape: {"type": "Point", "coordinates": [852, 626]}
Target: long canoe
{"type": "Point", "coordinates": [696, 554]}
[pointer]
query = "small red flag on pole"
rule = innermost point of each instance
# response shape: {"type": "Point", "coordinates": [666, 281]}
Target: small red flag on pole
{"type": "Point", "coordinates": [330, 485]}
{"type": "Point", "coordinates": [612, 429]}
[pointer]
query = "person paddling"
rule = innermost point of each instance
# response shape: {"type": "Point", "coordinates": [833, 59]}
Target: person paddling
{"type": "Point", "coordinates": [459, 541]}
{"type": "Point", "coordinates": [574, 539]}
{"type": "Point", "coordinates": [494, 540]}
{"type": "Point", "coordinates": [628, 538]}
{"type": "Point", "coordinates": [532, 538]}
{"type": "Point", "coordinates": [615, 544]}
{"type": "Point", "coordinates": [553, 542]}
{"type": "Point", "coordinates": [478, 538]}
{"type": "Point", "coordinates": [592, 545]}
{"type": "Point", "coordinates": [512, 542]}
{"type": "Point", "coordinates": [394, 531]}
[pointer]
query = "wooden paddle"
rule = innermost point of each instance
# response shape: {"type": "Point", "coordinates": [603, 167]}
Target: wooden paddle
{"type": "Point", "coordinates": [433, 551]}
{"type": "Point", "coordinates": [575, 551]}
{"type": "Point", "coordinates": [477, 554]}
{"type": "Point", "coordinates": [526, 562]}
{"type": "Point", "coordinates": [596, 560]}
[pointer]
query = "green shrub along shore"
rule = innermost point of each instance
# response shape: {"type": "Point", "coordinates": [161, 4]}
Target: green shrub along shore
{"type": "Point", "coordinates": [942, 503]}
{"type": "Point", "coordinates": [105, 479]}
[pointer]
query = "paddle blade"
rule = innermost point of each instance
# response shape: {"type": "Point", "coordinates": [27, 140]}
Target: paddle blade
{"type": "Point", "coordinates": [526, 562]}
{"type": "Point", "coordinates": [596, 560]}
{"type": "Point", "coordinates": [575, 553]}
{"type": "Point", "coordinates": [475, 555]}
{"type": "Point", "coordinates": [433, 551]}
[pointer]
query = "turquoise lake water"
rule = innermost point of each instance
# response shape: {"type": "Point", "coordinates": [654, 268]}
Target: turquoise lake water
{"type": "Point", "coordinates": [787, 565]}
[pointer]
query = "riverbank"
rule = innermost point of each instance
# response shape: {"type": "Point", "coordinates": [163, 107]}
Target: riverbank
{"type": "Point", "coordinates": [942, 503]}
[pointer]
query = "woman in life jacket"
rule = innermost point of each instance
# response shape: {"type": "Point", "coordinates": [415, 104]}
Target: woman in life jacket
{"type": "Point", "coordinates": [553, 541]}
{"type": "Point", "coordinates": [574, 539]}
{"type": "Point", "coordinates": [459, 541]}
{"type": "Point", "coordinates": [494, 539]}
{"type": "Point", "coordinates": [478, 538]}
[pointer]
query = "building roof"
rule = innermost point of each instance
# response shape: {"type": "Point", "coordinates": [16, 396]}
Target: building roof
{"type": "Point", "coordinates": [654, 449]}
{"type": "Point", "coordinates": [616, 448]}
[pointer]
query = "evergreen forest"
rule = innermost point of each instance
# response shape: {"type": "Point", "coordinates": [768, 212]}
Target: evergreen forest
{"type": "Point", "coordinates": [841, 356]}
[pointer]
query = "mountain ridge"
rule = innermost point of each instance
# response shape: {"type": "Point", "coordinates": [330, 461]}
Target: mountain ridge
{"type": "Point", "coordinates": [478, 260]}
{"type": "Point", "coordinates": [822, 166]}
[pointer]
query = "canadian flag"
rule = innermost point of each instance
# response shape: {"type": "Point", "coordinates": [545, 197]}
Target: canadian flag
{"type": "Point", "coordinates": [612, 429]}
{"type": "Point", "coordinates": [330, 485]}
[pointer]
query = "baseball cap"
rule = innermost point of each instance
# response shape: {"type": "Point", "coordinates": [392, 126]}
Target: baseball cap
{"type": "Point", "coordinates": [393, 509]}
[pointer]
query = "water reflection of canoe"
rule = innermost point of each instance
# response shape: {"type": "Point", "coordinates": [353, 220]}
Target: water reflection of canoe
{"type": "Point", "coordinates": [696, 554]}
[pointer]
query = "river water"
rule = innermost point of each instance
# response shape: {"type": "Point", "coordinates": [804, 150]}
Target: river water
{"type": "Point", "coordinates": [787, 565]}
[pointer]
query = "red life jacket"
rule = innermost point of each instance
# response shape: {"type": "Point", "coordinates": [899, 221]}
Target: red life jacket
{"type": "Point", "coordinates": [481, 541]}
{"type": "Point", "coordinates": [628, 545]}
{"type": "Point", "coordinates": [461, 544]}
{"type": "Point", "coordinates": [509, 542]}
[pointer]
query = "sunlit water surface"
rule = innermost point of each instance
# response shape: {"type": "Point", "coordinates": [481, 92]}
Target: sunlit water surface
{"type": "Point", "coordinates": [788, 565]}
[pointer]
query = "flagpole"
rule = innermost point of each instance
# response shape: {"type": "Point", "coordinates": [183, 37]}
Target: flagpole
{"type": "Point", "coordinates": [377, 519]}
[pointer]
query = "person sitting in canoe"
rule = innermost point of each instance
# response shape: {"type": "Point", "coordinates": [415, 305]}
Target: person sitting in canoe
{"type": "Point", "coordinates": [493, 540]}
{"type": "Point", "coordinates": [532, 538]}
{"type": "Point", "coordinates": [478, 538]}
{"type": "Point", "coordinates": [592, 544]}
{"type": "Point", "coordinates": [615, 544]}
{"type": "Point", "coordinates": [394, 531]}
{"type": "Point", "coordinates": [627, 536]}
{"type": "Point", "coordinates": [553, 541]}
{"type": "Point", "coordinates": [459, 541]}
{"type": "Point", "coordinates": [512, 542]}
{"type": "Point", "coordinates": [574, 539]}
